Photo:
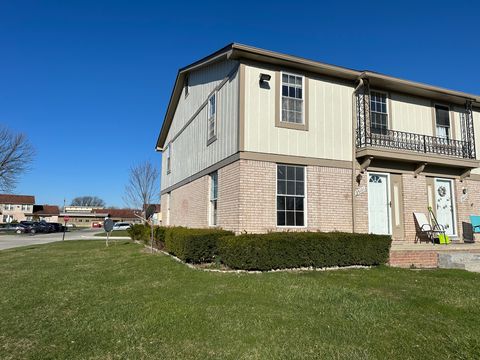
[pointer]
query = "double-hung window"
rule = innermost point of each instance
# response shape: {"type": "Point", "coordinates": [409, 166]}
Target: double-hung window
{"type": "Point", "coordinates": [212, 117]}
{"type": "Point", "coordinates": [24, 207]}
{"type": "Point", "coordinates": [442, 119]}
{"type": "Point", "coordinates": [292, 99]}
{"type": "Point", "coordinates": [290, 195]}
{"type": "Point", "coordinates": [379, 112]}
{"type": "Point", "coordinates": [213, 198]}
{"type": "Point", "coordinates": [169, 158]}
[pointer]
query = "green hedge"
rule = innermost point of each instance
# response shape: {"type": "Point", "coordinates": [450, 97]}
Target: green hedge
{"type": "Point", "coordinates": [139, 232]}
{"type": "Point", "coordinates": [302, 249]}
{"type": "Point", "coordinates": [193, 245]}
{"type": "Point", "coordinates": [142, 232]}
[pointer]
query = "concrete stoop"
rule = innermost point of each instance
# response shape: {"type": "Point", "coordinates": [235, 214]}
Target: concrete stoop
{"type": "Point", "coordinates": [459, 260]}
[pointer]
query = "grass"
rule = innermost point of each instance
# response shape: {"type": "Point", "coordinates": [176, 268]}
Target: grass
{"type": "Point", "coordinates": [81, 300]}
{"type": "Point", "coordinates": [115, 233]}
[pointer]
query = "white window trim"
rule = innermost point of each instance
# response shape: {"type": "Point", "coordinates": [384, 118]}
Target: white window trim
{"type": "Point", "coordinates": [168, 159]}
{"type": "Point", "coordinates": [387, 98]}
{"type": "Point", "coordinates": [212, 138]}
{"type": "Point", "coordinates": [211, 200]}
{"type": "Point", "coordinates": [281, 98]}
{"type": "Point", "coordinates": [305, 199]}
{"type": "Point", "coordinates": [450, 120]}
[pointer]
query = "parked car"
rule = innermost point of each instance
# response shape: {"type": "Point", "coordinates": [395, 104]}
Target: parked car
{"type": "Point", "coordinates": [121, 226]}
{"type": "Point", "coordinates": [35, 227]}
{"type": "Point", "coordinates": [13, 228]}
{"type": "Point", "coordinates": [96, 225]}
{"type": "Point", "coordinates": [56, 226]}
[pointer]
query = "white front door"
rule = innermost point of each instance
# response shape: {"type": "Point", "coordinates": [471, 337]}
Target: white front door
{"type": "Point", "coordinates": [378, 204]}
{"type": "Point", "coordinates": [444, 204]}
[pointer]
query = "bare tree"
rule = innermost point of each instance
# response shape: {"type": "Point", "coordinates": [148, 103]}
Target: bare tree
{"type": "Point", "coordinates": [142, 187]}
{"type": "Point", "coordinates": [16, 156]}
{"type": "Point", "coordinates": [93, 201]}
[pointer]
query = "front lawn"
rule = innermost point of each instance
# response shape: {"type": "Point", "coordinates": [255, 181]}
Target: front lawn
{"type": "Point", "coordinates": [114, 233]}
{"type": "Point", "coordinates": [81, 300]}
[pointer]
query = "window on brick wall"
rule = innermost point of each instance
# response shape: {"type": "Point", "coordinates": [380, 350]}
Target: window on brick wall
{"type": "Point", "coordinates": [213, 198]}
{"type": "Point", "coordinates": [290, 195]}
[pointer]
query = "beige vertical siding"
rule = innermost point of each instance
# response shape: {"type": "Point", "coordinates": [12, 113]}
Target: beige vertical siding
{"type": "Point", "coordinates": [411, 114]}
{"type": "Point", "coordinates": [190, 153]}
{"type": "Point", "coordinates": [329, 134]}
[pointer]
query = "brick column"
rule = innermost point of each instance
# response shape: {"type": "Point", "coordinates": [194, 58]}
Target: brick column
{"type": "Point", "coordinates": [414, 200]}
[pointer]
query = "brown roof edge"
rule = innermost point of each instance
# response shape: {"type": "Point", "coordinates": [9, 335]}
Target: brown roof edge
{"type": "Point", "coordinates": [240, 51]}
{"type": "Point", "coordinates": [17, 199]}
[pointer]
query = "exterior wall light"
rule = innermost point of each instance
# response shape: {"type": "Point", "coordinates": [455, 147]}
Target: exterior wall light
{"type": "Point", "coordinates": [264, 78]}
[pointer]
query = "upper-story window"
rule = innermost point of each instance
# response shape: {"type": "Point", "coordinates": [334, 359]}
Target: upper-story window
{"type": "Point", "coordinates": [212, 116]}
{"type": "Point", "coordinates": [442, 119]}
{"type": "Point", "coordinates": [8, 206]}
{"type": "Point", "coordinates": [379, 112]}
{"type": "Point", "coordinates": [169, 158]}
{"type": "Point", "coordinates": [24, 207]}
{"type": "Point", "coordinates": [292, 98]}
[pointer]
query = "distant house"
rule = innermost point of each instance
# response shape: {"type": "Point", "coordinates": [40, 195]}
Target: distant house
{"type": "Point", "coordinates": [48, 213]}
{"type": "Point", "coordinates": [124, 215]}
{"type": "Point", "coordinates": [16, 207]}
{"type": "Point", "coordinates": [93, 217]}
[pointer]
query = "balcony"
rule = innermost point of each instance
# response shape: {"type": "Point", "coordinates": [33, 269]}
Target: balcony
{"type": "Point", "coordinates": [410, 147]}
{"type": "Point", "coordinates": [400, 140]}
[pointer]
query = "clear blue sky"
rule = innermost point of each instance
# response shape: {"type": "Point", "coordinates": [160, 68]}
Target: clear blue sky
{"type": "Point", "coordinates": [89, 81]}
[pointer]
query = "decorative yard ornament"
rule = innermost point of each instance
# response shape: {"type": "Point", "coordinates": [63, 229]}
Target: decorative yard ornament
{"type": "Point", "coordinates": [108, 227]}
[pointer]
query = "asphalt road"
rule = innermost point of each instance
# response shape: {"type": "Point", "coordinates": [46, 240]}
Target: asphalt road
{"type": "Point", "coordinates": [12, 241]}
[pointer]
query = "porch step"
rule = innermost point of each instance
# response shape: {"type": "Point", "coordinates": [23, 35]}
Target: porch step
{"type": "Point", "coordinates": [459, 260]}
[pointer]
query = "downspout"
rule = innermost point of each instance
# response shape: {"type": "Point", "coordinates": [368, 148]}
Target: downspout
{"type": "Point", "coordinates": [354, 147]}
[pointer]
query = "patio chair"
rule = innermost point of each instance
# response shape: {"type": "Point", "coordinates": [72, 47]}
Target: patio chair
{"type": "Point", "coordinates": [475, 221]}
{"type": "Point", "coordinates": [431, 232]}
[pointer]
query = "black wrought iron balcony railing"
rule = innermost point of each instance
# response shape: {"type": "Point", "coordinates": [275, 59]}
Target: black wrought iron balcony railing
{"type": "Point", "coordinates": [401, 140]}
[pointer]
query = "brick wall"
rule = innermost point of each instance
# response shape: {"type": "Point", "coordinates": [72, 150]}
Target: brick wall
{"type": "Point", "coordinates": [188, 204]}
{"type": "Point", "coordinates": [257, 204]}
{"type": "Point", "coordinates": [361, 204]}
{"type": "Point", "coordinates": [229, 197]}
{"type": "Point", "coordinates": [467, 204]}
{"type": "Point", "coordinates": [414, 200]}
{"type": "Point", "coordinates": [407, 258]}
{"type": "Point", "coordinates": [330, 199]}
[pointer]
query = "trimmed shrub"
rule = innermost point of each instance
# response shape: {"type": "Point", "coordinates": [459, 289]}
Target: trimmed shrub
{"type": "Point", "coordinates": [302, 249]}
{"type": "Point", "coordinates": [159, 236]}
{"type": "Point", "coordinates": [140, 232]}
{"type": "Point", "coordinates": [193, 245]}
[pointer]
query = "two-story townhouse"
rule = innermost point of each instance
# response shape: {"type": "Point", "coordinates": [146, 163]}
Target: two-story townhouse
{"type": "Point", "coordinates": [256, 141]}
{"type": "Point", "coordinates": [16, 207]}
